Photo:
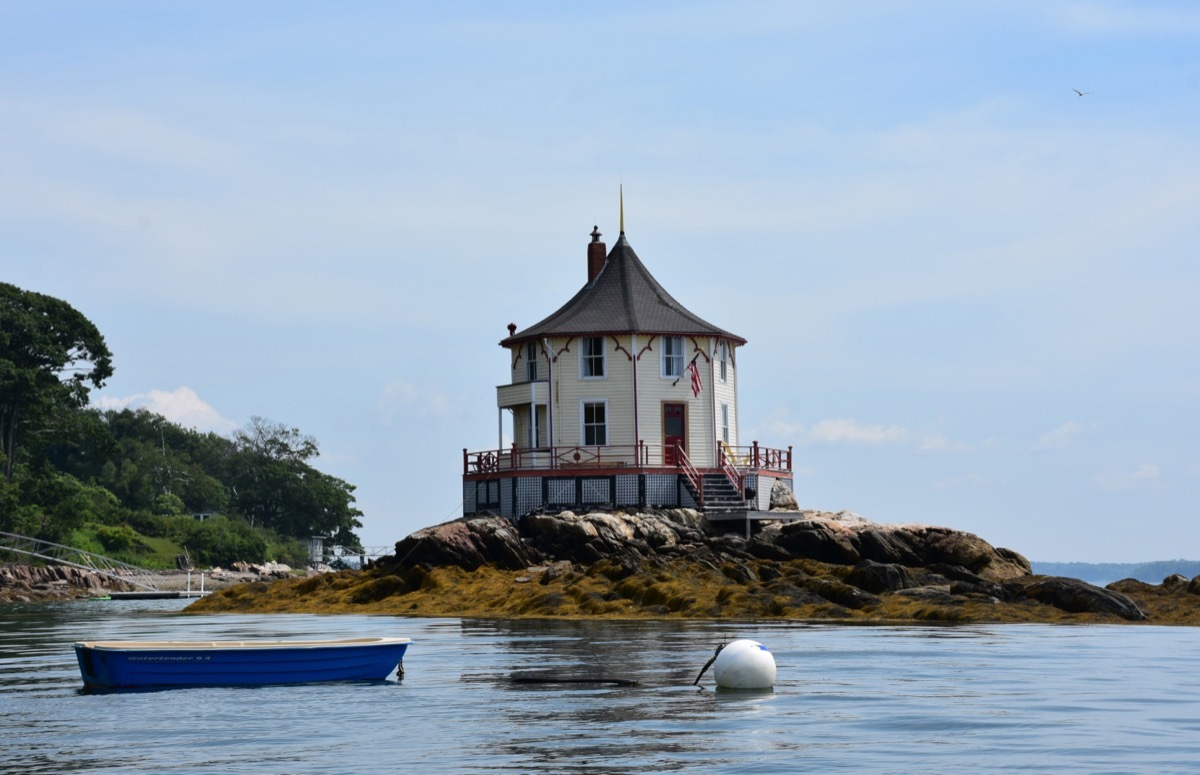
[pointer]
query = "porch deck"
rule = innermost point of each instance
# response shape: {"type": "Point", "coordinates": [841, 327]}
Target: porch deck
{"type": "Point", "coordinates": [517, 481]}
{"type": "Point", "coordinates": [641, 457]}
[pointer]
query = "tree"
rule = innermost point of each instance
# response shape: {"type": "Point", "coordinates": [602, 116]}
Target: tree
{"type": "Point", "coordinates": [49, 355]}
{"type": "Point", "coordinates": [274, 487]}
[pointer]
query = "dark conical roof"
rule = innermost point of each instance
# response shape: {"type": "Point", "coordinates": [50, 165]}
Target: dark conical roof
{"type": "Point", "coordinates": [623, 299]}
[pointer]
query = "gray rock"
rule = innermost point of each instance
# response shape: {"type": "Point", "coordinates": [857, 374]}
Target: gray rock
{"type": "Point", "coordinates": [877, 577]}
{"type": "Point", "coordinates": [782, 497]}
{"type": "Point", "coordinates": [1075, 596]}
{"type": "Point", "coordinates": [934, 593]}
{"type": "Point", "coordinates": [818, 540]}
{"type": "Point", "coordinates": [654, 536]}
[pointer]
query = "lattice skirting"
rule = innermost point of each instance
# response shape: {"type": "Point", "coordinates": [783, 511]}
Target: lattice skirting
{"type": "Point", "coordinates": [515, 496]}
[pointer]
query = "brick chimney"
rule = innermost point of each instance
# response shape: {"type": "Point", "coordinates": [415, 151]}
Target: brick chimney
{"type": "Point", "coordinates": [596, 254]}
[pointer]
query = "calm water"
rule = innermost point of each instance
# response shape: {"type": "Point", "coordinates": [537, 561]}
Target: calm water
{"type": "Point", "coordinates": [849, 699]}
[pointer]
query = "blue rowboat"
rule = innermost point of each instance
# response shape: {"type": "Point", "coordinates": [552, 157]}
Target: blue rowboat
{"type": "Point", "coordinates": [139, 664]}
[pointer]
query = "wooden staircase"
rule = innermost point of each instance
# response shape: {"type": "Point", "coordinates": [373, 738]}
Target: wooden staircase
{"type": "Point", "coordinates": [720, 496]}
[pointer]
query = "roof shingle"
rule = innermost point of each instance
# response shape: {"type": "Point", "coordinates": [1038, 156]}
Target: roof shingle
{"type": "Point", "coordinates": [623, 299]}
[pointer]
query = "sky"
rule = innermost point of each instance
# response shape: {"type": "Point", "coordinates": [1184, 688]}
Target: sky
{"type": "Point", "coordinates": [969, 294]}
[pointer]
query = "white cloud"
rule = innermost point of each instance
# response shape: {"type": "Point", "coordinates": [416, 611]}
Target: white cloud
{"type": "Point", "coordinates": [401, 397]}
{"type": "Point", "coordinates": [850, 431]}
{"type": "Point", "coordinates": [779, 426]}
{"type": "Point", "coordinates": [1146, 475]}
{"type": "Point", "coordinates": [1061, 436]}
{"type": "Point", "coordinates": [182, 407]}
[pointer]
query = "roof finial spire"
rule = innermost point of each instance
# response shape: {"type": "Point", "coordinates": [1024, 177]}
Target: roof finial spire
{"type": "Point", "coordinates": [622, 208]}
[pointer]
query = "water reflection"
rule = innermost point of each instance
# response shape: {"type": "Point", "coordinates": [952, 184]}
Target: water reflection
{"type": "Point", "coordinates": [613, 729]}
{"type": "Point", "coordinates": [847, 699]}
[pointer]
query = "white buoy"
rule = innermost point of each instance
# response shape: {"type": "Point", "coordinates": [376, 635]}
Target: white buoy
{"type": "Point", "coordinates": [745, 664]}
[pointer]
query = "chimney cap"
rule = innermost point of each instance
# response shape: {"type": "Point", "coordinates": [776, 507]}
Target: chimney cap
{"type": "Point", "coordinates": [596, 234]}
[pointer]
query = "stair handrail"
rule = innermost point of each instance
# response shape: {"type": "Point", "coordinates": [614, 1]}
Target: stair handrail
{"type": "Point", "coordinates": [735, 476]}
{"type": "Point", "coordinates": [78, 558]}
{"type": "Point", "coordinates": [689, 470]}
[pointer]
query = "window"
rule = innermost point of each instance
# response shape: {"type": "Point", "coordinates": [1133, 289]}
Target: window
{"type": "Point", "coordinates": [723, 359]}
{"type": "Point", "coordinates": [531, 361]}
{"type": "Point", "coordinates": [595, 423]}
{"type": "Point", "coordinates": [725, 423]}
{"type": "Point", "coordinates": [591, 359]}
{"type": "Point", "coordinates": [535, 431]}
{"type": "Point", "coordinates": [672, 356]}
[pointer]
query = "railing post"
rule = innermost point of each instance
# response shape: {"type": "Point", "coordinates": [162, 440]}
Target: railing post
{"type": "Point", "coordinates": [514, 460]}
{"type": "Point", "coordinates": [464, 461]}
{"type": "Point", "coordinates": [789, 468]}
{"type": "Point", "coordinates": [754, 455]}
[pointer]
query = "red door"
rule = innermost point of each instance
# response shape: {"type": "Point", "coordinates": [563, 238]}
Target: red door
{"type": "Point", "coordinates": [673, 436]}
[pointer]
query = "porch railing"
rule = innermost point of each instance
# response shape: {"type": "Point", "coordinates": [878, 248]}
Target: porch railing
{"type": "Point", "coordinates": [518, 458]}
{"type": "Point", "coordinates": [740, 459]}
{"type": "Point", "coordinates": [758, 458]}
{"type": "Point", "coordinates": [691, 473]}
{"type": "Point", "coordinates": [731, 472]}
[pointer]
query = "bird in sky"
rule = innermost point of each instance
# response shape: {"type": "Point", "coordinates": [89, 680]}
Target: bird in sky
{"type": "Point", "coordinates": [1080, 93]}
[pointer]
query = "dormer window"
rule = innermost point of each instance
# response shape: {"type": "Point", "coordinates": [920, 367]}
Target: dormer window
{"type": "Point", "coordinates": [591, 358]}
{"type": "Point", "coordinates": [531, 362]}
{"type": "Point", "coordinates": [672, 356]}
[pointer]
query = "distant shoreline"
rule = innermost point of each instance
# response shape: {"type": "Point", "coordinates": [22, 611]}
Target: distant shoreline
{"type": "Point", "coordinates": [1104, 573]}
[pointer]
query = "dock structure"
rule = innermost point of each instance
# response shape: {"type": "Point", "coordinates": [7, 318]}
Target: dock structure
{"type": "Point", "coordinates": [78, 558]}
{"type": "Point", "coordinates": [157, 595]}
{"type": "Point", "coordinates": [144, 580]}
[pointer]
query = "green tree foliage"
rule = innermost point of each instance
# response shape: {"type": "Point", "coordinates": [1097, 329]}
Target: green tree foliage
{"type": "Point", "coordinates": [115, 477]}
{"type": "Point", "coordinates": [144, 471]}
{"type": "Point", "coordinates": [156, 458]}
{"type": "Point", "coordinates": [273, 485]}
{"type": "Point", "coordinates": [49, 355]}
{"type": "Point", "coordinates": [222, 541]}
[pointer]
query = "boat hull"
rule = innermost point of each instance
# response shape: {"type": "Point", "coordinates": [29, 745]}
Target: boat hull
{"type": "Point", "coordinates": [128, 665]}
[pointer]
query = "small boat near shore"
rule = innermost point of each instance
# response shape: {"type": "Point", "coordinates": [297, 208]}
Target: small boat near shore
{"type": "Point", "coordinates": [146, 664]}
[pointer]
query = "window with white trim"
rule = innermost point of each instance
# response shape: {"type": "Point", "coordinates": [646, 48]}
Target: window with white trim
{"type": "Point", "coordinates": [591, 358]}
{"type": "Point", "coordinates": [531, 361]}
{"type": "Point", "coordinates": [725, 423]}
{"type": "Point", "coordinates": [594, 419]}
{"type": "Point", "coordinates": [723, 358]}
{"type": "Point", "coordinates": [672, 356]}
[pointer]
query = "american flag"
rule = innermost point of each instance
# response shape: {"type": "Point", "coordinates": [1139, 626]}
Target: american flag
{"type": "Point", "coordinates": [695, 370]}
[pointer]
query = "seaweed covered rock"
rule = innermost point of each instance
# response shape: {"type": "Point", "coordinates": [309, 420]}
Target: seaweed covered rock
{"type": "Point", "coordinates": [1075, 596]}
{"type": "Point", "coordinates": [672, 563]}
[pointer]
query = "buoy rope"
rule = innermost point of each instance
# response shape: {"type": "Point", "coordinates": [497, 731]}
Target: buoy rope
{"type": "Point", "coordinates": [708, 664]}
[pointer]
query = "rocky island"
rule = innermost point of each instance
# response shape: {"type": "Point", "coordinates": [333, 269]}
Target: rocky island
{"type": "Point", "coordinates": [673, 564]}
